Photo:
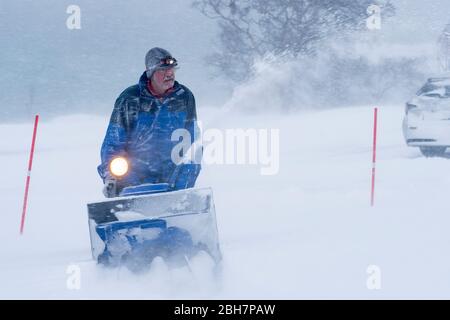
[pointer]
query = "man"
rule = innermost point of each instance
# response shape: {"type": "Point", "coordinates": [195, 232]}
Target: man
{"type": "Point", "coordinates": [141, 126]}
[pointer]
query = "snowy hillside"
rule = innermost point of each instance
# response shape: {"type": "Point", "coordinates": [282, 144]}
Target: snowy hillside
{"type": "Point", "coordinates": [307, 232]}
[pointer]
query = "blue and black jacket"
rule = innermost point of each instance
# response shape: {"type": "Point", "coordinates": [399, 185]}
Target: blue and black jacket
{"type": "Point", "coordinates": [141, 128]}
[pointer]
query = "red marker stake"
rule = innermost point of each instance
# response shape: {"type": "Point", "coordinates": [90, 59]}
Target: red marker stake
{"type": "Point", "coordinates": [27, 185]}
{"type": "Point", "coordinates": [374, 155]}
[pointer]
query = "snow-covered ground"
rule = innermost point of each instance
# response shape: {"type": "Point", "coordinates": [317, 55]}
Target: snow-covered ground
{"type": "Point", "coordinates": [307, 232]}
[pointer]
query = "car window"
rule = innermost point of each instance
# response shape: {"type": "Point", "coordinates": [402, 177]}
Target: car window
{"type": "Point", "coordinates": [428, 87]}
{"type": "Point", "coordinates": [434, 90]}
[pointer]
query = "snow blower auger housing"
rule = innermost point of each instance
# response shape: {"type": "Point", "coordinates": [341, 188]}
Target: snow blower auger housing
{"type": "Point", "coordinates": [149, 220]}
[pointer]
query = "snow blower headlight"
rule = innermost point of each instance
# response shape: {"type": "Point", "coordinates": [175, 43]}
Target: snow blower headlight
{"type": "Point", "coordinates": [119, 167]}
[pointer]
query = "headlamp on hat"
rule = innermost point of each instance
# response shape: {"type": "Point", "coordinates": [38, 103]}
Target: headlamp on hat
{"type": "Point", "coordinates": [168, 62]}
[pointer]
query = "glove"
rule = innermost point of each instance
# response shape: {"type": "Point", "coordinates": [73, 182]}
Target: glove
{"type": "Point", "coordinates": [110, 188]}
{"type": "Point", "coordinates": [185, 175]}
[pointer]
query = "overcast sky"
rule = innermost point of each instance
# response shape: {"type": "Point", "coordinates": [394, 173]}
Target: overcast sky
{"type": "Point", "coordinates": [43, 63]}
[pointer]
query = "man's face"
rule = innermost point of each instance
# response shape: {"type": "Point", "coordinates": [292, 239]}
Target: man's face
{"type": "Point", "coordinates": [163, 79]}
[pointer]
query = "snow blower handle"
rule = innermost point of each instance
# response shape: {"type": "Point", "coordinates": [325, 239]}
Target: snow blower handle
{"type": "Point", "coordinates": [190, 157]}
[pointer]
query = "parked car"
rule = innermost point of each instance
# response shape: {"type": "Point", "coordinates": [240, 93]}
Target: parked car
{"type": "Point", "coordinates": [427, 118]}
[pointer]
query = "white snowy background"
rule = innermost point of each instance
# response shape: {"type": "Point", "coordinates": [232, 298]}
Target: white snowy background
{"type": "Point", "coordinates": [307, 232]}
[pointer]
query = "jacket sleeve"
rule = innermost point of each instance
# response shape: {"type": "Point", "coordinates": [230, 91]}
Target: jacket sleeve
{"type": "Point", "coordinates": [188, 172]}
{"type": "Point", "coordinates": [114, 143]}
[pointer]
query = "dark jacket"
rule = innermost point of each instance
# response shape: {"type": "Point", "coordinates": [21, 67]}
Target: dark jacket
{"type": "Point", "coordinates": [141, 128]}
